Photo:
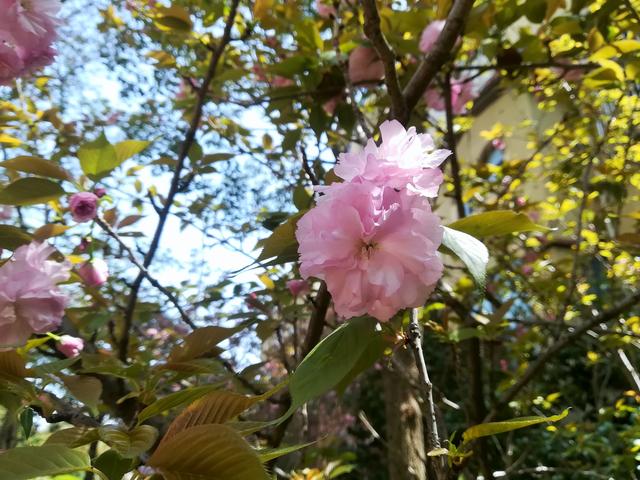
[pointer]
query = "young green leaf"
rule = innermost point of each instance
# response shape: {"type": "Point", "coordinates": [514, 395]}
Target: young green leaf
{"type": "Point", "coordinates": [24, 463]}
{"type": "Point", "coordinates": [497, 222]}
{"type": "Point", "coordinates": [470, 250]}
{"type": "Point", "coordinates": [30, 191]}
{"type": "Point", "coordinates": [493, 428]}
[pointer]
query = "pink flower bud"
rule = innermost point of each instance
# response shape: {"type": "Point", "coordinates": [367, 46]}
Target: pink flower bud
{"type": "Point", "coordinates": [325, 9]}
{"type": "Point", "coordinates": [298, 287]}
{"type": "Point", "coordinates": [94, 272]}
{"type": "Point", "coordinates": [364, 65]}
{"type": "Point", "coordinates": [430, 35]}
{"type": "Point", "coordinates": [100, 192]}
{"type": "Point", "coordinates": [83, 206]}
{"type": "Point", "coordinates": [6, 212]}
{"type": "Point", "coordinates": [70, 346]}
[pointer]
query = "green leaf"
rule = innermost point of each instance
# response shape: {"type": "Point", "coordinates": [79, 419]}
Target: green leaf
{"type": "Point", "coordinates": [200, 342]}
{"type": "Point", "coordinates": [471, 251]}
{"type": "Point", "coordinates": [85, 388]}
{"type": "Point", "coordinates": [30, 191]}
{"type": "Point", "coordinates": [173, 400]}
{"type": "Point", "coordinates": [498, 222]}
{"type": "Point", "coordinates": [331, 361]}
{"type": "Point", "coordinates": [216, 157]}
{"type": "Point", "coordinates": [38, 166]}
{"type": "Point", "coordinates": [492, 428]}
{"type": "Point", "coordinates": [24, 463]}
{"type": "Point", "coordinates": [268, 454]}
{"type": "Point", "coordinates": [113, 465]}
{"type": "Point", "coordinates": [26, 421]}
{"type": "Point", "coordinates": [216, 407]}
{"type": "Point", "coordinates": [73, 437]}
{"type": "Point", "coordinates": [49, 230]}
{"type": "Point", "coordinates": [97, 157]}
{"type": "Point", "coordinates": [174, 18]}
{"type": "Point", "coordinates": [282, 241]}
{"type": "Point", "coordinates": [215, 452]}
{"type": "Point", "coordinates": [128, 148]}
{"type": "Point", "coordinates": [129, 444]}
{"type": "Point", "coordinates": [12, 237]}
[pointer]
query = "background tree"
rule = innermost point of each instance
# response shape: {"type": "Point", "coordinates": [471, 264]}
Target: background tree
{"type": "Point", "coordinates": [168, 153]}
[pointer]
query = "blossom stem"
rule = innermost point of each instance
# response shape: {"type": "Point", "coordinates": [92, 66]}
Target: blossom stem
{"type": "Point", "coordinates": [433, 439]}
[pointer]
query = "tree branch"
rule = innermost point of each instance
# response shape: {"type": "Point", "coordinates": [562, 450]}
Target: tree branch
{"type": "Point", "coordinates": [387, 55]}
{"type": "Point", "coordinates": [143, 271]}
{"type": "Point", "coordinates": [415, 342]}
{"type": "Point", "coordinates": [437, 57]}
{"type": "Point", "coordinates": [537, 366]}
{"type": "Point", "coordinates": [175, 181]}
{"type": "Point", "coordinates": [451, 144]}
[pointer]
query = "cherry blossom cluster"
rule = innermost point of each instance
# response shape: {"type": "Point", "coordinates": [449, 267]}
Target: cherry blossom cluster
{"type": "Point", "coordinates": [366, 68]}
{"type": "Point", "coordinates": [30, 299]}
{"type": "Point", "coordinates": [373, 238]}
{"type": "Point", "coordinates": [27, 30]}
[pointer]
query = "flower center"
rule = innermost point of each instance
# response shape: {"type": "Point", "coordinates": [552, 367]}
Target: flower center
{"type": "Point", "coordinates": [367, 249]}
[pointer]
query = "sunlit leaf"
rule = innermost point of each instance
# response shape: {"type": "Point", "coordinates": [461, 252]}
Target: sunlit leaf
{"type": "Point", "coordinates": [38, 166]}
{"type": "Point", "coordinates": [24, 463]}
{"type": "Point", "coordinates": [85, 388]}
{"type": "Point", "coordinates": [173, 400]}
{"type": "Point", "coordinates": [212, 452]}
{"type": "Point", "coordinates": [13, 237]}
{"type": "Point", "coordinates": [494, 223]}
{"type": "Point", "coordinates": [493, 428]}
{"type": "Point", "coordinates": [470, 250]}
{"type": "Point", "coordinates": [30, 191]}
{"type": "Point", "coordinates": [200, 342]}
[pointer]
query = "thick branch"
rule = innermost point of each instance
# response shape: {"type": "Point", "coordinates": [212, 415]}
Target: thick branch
{"type": "Point", "coordinates": [175, 181]}
{"type": "Point", "coordinates": [437, 57]}
{"type": "Point", "coordinates": [387, 55]}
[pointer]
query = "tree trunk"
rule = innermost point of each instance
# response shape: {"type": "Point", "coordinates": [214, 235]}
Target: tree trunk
{"type": "Point", "coordinates": [405, 434]}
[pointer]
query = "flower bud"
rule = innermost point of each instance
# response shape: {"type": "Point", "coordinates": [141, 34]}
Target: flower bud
{"type": "Point", "coordinates": [298, 287]}
{"type": "Point", "coordinates": [70, 346]}
{"type": "Point", "coordinates": [94, 272]}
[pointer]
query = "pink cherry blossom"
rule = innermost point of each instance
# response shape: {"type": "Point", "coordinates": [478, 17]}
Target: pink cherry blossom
{"type": "Point", "coordinates": [461, 93]}
{"type": "Point", "coordinates": [83, 206]}
{"type": "Point", "coordinates": [364, 65]}
{"type": "Point", "coordinates": [30, 301]}
{"type": "Point", "coordinates": [27, 30]}
{"type": "Point", "coordinates": [94, 272]}
{"type": "Point", "coordinates": [6, 211]}
{"type": "Point", "coordinates": [280, 81]}
{"type": "Point", "coordinates": [330, 105]}
{"type": "Point", "coordinates": [375, 247]}
{"type": "Point", "coordinates": [70, 346]}
{"type": "Point", "coordinates": [430, 35]}
{"type": "Point", "coordinates": [298, 287]}
{"type": "Point", "coordinates": [404, 159]}
{"type": "Point", "coordinates": [325, 9]}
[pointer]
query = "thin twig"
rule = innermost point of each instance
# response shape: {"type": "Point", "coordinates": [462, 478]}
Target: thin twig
{"type": "Point", "coordinates": [143, 271]}
{"type": "Point", "coordinates": [451, 144]}
{"type": "Point", "coordinates": [433, 439]}
{"type": "Point", "coordinates": [123, 344]}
